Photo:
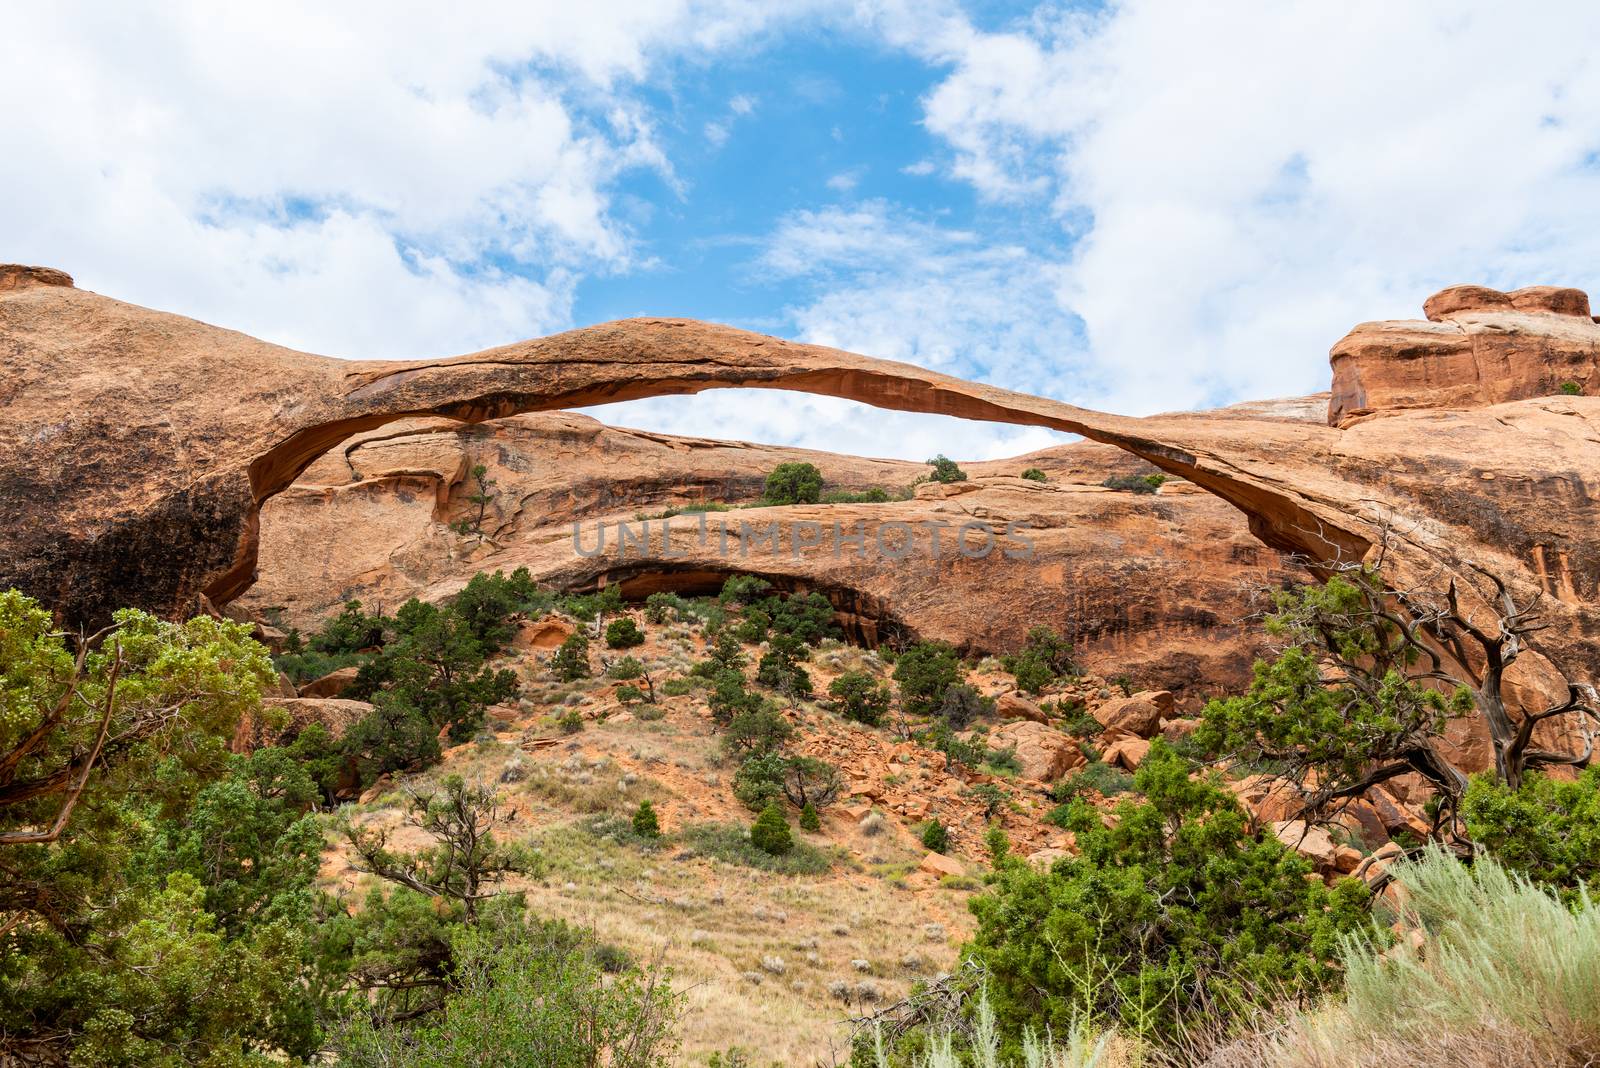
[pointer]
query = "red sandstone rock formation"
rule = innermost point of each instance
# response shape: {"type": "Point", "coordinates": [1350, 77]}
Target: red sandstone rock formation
{"type": "Point", "coordinates": [137, 448]}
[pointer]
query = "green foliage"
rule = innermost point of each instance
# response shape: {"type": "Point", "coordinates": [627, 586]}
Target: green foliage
{"type": "Point", "coordinates": [945, 470]}
{"type": "Point", "coordinates": [993, 798]}
{"type": "Point", "coordinates": [1076, 719]}
{"type": "Point", "coordinates": [873, 495]}
{"type": "Point", "coordinates": [759, 780]}
{"type": "Point", "coordinates": [730, 699]}
{"type": "Point", "coordinates": [570, 722]}
{"type": "Point", "coordinates": [626, 669]}
{"type": "Point", "coordinates": [645, 823]}
{"type": "Point", "coordinates": [860, 697]}
{"type": "Point", "coordinates": [810, 819]}
{"type": "Point", "coordinates": [166, 924]}
{"type": "Point", "coordinates": [1105, 779]}
{"type": "Point", "coordinates": [962, 705]}
{"type": "Point", "coordinates": [755, 731]}
{"type": "Point", "coordinates": [680, 686]}
{"type": "Point", "coordinates": [1337, 731]}
{"type": "Point", "coordinates": [488, 602]}
{"type": "Point", "coordinates": [998, 844]}
{"type": "Point", "coordinates": [935, 837]}
{"type": "Point", "coordinates": [529, 1001]}
{"type": "Point", "coordinates": [743, 589]}
{"type": "Point", "coordinates": [1135, 483]}
{"type": "Point", "coordinates": [482, 495]}
{"type": "Point", "coordinates": [1044, 657]}
{"type": "Point", "coordinates": [732, 844]}
{"type": "Point", "coordinates": [770, 832]}
{"type": "Point", "coordinates": [793, 483]}
{"type": "Point", "coordinates": [1571, 389]}
{"type": "Point", "coordinates": [351, 631]}
{"type": "Point", "coordinates": [571, 661]}
{"type": "Point", "coordinates": [780, 668]}
{"type": "Point", "coordinates": [1033, 474]}
{"type": "Point", "coordinates": [623, 633]}
{"type": "Point", "coordinates": [924, 672]}
{"type": "Point", "coordinates": [1179, 906]}
{"type": "Point", "coordinates": [1548, 830]}
{"type": "Point", "coordinates": [628, 694]}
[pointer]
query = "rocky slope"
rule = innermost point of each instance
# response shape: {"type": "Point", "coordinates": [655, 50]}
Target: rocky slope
{"type": "Point", "coordinates": [1151, 586]}
{"type": "Point", "coordinates": [155, 439]}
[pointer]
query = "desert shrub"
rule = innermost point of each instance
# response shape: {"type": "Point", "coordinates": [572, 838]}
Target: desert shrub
{"type": "Point", "coordinates": [1571, 389]}
{"type": "Point", "coordinates": [992, 797]}
{"type": "Point", "coordinates": [571, 661]}
{"type": "Point", "coordinates": [680, 686]}
{"type": "Point", "coordinates": [874, 495]}
{"type": "Point", "coordinates": [924, 672]}
{"type": "Point", "coordinates": [588, 607]}
{"type": "Point", "coordinates": [743, 589]}
{"type": "Point", "coordinates": [1178, 906]}
{"type": "Point", "coordinates": [1489, 972]}
{"type": "Point", "coordinates": [1033, 474]}
{"type": "Point", "coordinates": [975, 1039]}
{"type": "Point", "coordinates": [629, 694]}
{"type": "Point", "coordinates": [570, 721]}
{"type": "Point", "coordinates": [796, 482]}
{"type": "Point", "coordinates": [351, 631]}
{"type": "Point", "coordinates": [1105, 779]}
{"type": "Point", "coordinates": [810, 819]}
{"type": "Point", "coordinates": [759, 780]}
{"type": "Point", "coordinates": [998, 843]}
{"type": "Point", "coordinates": [527, 1003]}
{"type": "Point", "coordinates": [811, 783]}
{"type": "Point", "coordinates": [623, 633]}
{"type": "Point", "coordinates": [1547, 831]}
{"type": "Point", "coordinates": [962, 705]}
{"type": "Point", "coordinates": [780, 668]}
{"type": "Point", "coordinates": [645, 823]}
{"type": "Point", "coordinates": [754, 731]}
{"type": "Point", "coordinates": [935, 837]}
{"type": "Point", "coordinates": [1044, 657]}
{"type": "Point", "coordinates": [1135, 483]}
{"type": "Point", "coordinates": [489, 601]}
{"type": "Point", "coordinates": [626, 668]}
{"type": "Point", "coordinates": [730, 699]}
{"type": "Point", "coordinates": [732, 844]}
{"type": "Point", "coordinates": [860, 697]}
{"type": "Point", "coordinates": [304, 666]}
{"type": "Point", "coordinates": [945, 470]}
{"type": "Point", "coordinates": [770, 832]}
{"type": "Point", "coordinates": [1078, 720]}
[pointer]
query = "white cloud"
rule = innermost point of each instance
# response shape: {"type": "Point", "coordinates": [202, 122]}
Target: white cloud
{"type": "Point", "coordinates": [845, 181]}
{"type": "Point", "coordinates": [364, 179]}
{"type": "Point", "coordinates": [742, 104]}
{"type": "Point", "coordinates": [1252, 179]}
{"type": "Point", "coordinates": [920, 169]}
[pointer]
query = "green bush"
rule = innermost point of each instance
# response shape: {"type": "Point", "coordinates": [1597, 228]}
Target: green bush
{"type": "Point", "coordinates": [1105, 779]}
{"type": "Point", "coordinates": [962, 705]}
{"type": "Point", "coordinates": [780, 668]}
{"type": "Point", "coordinates": [731, 843]}
{"type": "Point", "coordinates": [629, 694]}
{"type": "Point", "coordinates": [874, 495]}
{"type": "Point", "coordinates": [998, 844]}
{"type": "Point", "coordinates": [527, 1002]}
{"type": "Point", "coordinates": [1135, 483]}
{"type": "Point", "coordinates": [1076, 719]}
{"type": "Point", "coordinates": [1571, 389]}
{"type": "Point", "coordinates": [623, 633]}
{"type": "Point", "coordinates": [1548, 831]}
{"type": "Point", "coordinates": [770, 832]}
{"type": "Point", "coordinates": [1033, 474]}
{"type": "Point", "coordinates": [759, 780]}
{"type": "Point", "coordinates": [626, 669]}
{"type": "Point", "coordinates": [1180, 907]}
{"type": "Point", "coordinates": [793, 483]}
{"type": "Point", "coordinates": [1044, 657]}
{"type": "Point", "coordinates": [645, 823]}
{"type": "Point", "coordinates": [810, 820]}
{"type": "Point", "coordinates": [680, 686]}
{"type": "Point", "coordinates": [570, 721]}
{"type": "Point", "coordinates": [935, 837]}
{"type": "Point", "coordinates": [730, 699]}
{"type": "Point", "coordinates": [743, 589]}
{"type": "Point", "coordinates": [924, 672]}
{"type": "Point", "coordinates": [571, 661]}
{"type": "Point", "coordinates": [945, 470]}
{"type": "Point", "coordinates": [756, 731]}
{"type": "Point", "coordinates": [860, 697]}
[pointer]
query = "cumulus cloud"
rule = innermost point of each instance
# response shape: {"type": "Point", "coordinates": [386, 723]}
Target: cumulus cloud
{"type": "Point", "coordinates": [365, 179]}
{"type": "Point", "coordinates": [1248, 180]}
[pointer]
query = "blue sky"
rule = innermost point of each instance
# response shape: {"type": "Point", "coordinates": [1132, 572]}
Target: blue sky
{"type": "Point", "coordinates": [1142, 206]}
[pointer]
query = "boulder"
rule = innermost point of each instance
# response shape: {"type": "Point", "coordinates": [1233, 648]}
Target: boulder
{"type": "Point", "coordinates": [281, 719]}
{"type": "Point", "coordinates": [542, 634]}
{"type": "Point", "coordinates": [1139, 714]}
{"type": "Point", "coordinates": [1309, 841]}
{"type": "Point", "coordinates": [1128, 750]}
{"type": "Point", "coordinates": [940, 865]}
{"type": "Point", "coordinates": [1013, 705]}
{"type": "Point", "coordinates": [333, 684]}
{"type": "Point", "coordinates": [1046, 857]}
{"type": "Point", "coordinates": [1045, 753]}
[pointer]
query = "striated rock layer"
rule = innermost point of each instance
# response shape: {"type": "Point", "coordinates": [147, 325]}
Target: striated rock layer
{"type": "Point", "coordinates": [138, 446]}
{"type": "Point", "coordinates": [1151, 586]}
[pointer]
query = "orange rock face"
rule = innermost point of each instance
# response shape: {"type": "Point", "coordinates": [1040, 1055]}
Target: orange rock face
{"type": "Point", "coordinates": [1479, 347]}
{"type": "Point", "coordinates": [137, 447]}
{"type": "Point", "coordinates": [1151, 586]}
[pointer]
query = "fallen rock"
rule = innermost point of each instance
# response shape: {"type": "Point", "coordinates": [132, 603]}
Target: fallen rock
{"type": "Point", "coordinates": [333, 684]}
{"type": "Point", "coordinates": [1013, 705]}
{"type": "Point", "coordinates": [941, 865]}
{"type": "Point", "coordinates": [1045, 753]}
{"type": "Point", "coordinates": [1308, 841]}
{"type": "Point", "coordinates": [1128, 751]}
{"type": "Point", "coordinates": [1140, 714]}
